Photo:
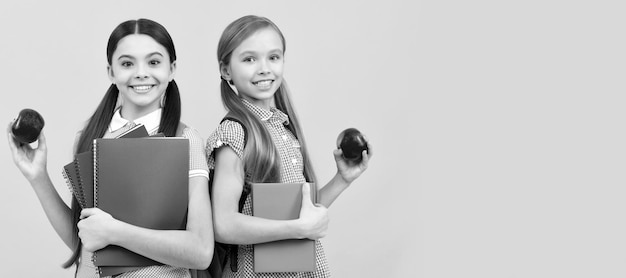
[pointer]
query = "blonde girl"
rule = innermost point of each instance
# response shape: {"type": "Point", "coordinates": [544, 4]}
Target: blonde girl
{"type": "Point", "coordinates": [267, 145]}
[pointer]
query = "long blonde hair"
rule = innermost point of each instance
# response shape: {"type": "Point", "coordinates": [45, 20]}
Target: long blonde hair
{"type": "Point", "coordinates": [260, 155]}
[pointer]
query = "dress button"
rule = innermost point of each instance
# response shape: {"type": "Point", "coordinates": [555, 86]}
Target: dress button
{"type": "Point", "coordinates": [285, 137]}
{"type": "Point", "coordinates": [219, 143]}
{"type": "Point", "coordinates": [294, 161]}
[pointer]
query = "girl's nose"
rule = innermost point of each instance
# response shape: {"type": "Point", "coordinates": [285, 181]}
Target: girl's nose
{"type": "Point", "coordinates": [141, 72]}
{"type": "Point", "coordinates": [263, 67]}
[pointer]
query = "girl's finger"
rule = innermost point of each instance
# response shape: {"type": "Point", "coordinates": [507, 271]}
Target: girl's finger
{"type": "Point", "coordinates": [41, 144]}
{"type": "Point", "coordinates": [306, 194]}
{"type": "Point", "coordinates": [366, 158]}
{"type": "Point", "coordinates": [86, 213]}
{"type": "Point", "coordinates": [337, 153]}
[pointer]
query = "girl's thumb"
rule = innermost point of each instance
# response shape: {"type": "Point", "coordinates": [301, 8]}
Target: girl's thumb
{"type": "Point", "coordinates": [306, 194]}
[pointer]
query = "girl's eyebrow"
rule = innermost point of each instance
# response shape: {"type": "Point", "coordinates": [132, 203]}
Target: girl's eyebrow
{"type": "Point", "coordinates": [249, 52]}
{"type": "Point", "coordinates": [132, 57]}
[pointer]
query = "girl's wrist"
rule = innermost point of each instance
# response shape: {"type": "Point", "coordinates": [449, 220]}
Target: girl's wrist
{"type": "Point", "coordinates": [298, 228]}
{"type": "Point", "coordinates": [341, 179]}
{"type": "Point", "coordinates": [40, 181]}
{"type": "Point", "coordinates": [114, 232]}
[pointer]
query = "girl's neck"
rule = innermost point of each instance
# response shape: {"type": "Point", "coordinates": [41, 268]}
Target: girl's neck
{"type": "Point", "coordinates": [132, 113]}
{"type": "Point", "coordinates": [262, 103]}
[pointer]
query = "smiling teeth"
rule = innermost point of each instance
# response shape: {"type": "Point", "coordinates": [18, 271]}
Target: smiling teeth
{"type": "Point", "coordinates": [263, 83]}
{"type": "Point", "coordinates": [142, 89]}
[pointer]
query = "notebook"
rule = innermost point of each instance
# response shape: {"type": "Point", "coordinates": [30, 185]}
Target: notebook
{"type": "Point", "coordinates": [78, 174]}
{"type": "Point", "coordinates": [144, 182]}
{"type": "Point", "coordinates": [70, 174]}
{"type": "Point", "coordinates": [281, 201]}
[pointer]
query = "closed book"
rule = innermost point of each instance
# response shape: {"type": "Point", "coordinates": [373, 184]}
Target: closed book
{"type": "Point", "coordinates": [281, 201]}
{"type": "Point", "coordinates": [84, 164]}
{"type": "Point", "coordinates": [79, 173]}
{"type": "Point", "coordinates": [143, 182]}
{"type": "Point", "coordinates": [70, 174]}
{"type": "Point", "coordinates": [137, 131]}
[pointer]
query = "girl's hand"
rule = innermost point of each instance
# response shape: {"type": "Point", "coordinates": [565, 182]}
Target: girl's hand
{"type": "Point", "coordinates": [31, 162]}
{"type": "Point", "coordinates": [95, 228]}
{"type": "Point", "coordinates": [313, 218]}
{"type": "Point", "coordinates": [349, 171]}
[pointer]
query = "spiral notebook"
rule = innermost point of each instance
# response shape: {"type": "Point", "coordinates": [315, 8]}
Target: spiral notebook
{"type": "Point", "coordinates": [144, 182]}
{"type": "Point", "coordinates": [281, 201]}
{"type": "Point", "coordinates": [78, 174]}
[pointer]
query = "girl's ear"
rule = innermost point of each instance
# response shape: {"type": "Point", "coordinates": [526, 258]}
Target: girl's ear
{"type": "Point", "coordinates": [110, 73]}
{"type": "Point", "coordinates": [172, 71]}
{"type": "Point", "coordinates": [225, 71]}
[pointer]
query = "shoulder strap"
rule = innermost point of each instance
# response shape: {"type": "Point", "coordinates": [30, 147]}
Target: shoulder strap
{"type": "Point", "coordinates": [233, 117]}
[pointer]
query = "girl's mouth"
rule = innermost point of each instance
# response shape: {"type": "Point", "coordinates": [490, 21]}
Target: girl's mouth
{"type": "Point", "coordinates": [140, 89]}
{"type": "Point", "coordinates": [263, 84]}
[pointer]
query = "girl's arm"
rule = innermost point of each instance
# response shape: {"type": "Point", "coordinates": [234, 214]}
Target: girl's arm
{"type": "Point", "coordinates": [190, 248]}
{"type": "Point", "coordinates": [32, 164]}
{"type": "Point", "coordinates": [233, 227]}
{"type": "Point", "coordinates": [347, 172]}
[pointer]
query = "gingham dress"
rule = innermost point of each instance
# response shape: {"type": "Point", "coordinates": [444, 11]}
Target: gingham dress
{"type": "Point", "coordinates": [197, 166]}
{"type": "Point", "coordinates": [231, 134]}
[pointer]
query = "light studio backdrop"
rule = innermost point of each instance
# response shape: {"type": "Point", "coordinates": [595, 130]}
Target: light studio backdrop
{"type": "Point", "coordinates": [497, 126]}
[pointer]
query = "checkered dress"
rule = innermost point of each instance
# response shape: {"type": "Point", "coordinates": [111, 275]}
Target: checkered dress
{"type": "Point", "coordinates": [197, 167]}
{"type": "Point", "coordinates": [231, 134]}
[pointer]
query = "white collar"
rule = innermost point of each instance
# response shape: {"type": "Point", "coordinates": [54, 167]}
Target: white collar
{"type": "Point", "coordinates": [151, 121]}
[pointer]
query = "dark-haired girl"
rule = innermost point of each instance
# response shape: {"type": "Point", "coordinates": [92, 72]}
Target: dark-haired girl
{"type": "Point", "coordinates": [141, 66]}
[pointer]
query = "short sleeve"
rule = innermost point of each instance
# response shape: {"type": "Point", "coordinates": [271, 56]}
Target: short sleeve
{"type": "Point", "coordinates": [197, 160]}
{"type": "Point", "coordinates": [228, 133]}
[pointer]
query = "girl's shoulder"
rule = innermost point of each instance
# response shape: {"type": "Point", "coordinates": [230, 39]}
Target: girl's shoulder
{"type": "Point", "coordinates": [187, 131]}
{"type": "Point", "coordinates": [230, 133]}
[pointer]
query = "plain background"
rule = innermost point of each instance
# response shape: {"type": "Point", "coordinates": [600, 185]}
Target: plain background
{"type": "Point", "coordinates": [498, 126]}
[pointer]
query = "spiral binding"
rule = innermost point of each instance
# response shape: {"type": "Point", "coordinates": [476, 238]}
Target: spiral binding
{"type": "Point", "coordinates": [68, 180]}
{"type": "Point", "coordinates": [80, 195]}
{"type": "Point", "coordinates": [93, 261]}
{"type": "Point", "coordinates": [95, 173]}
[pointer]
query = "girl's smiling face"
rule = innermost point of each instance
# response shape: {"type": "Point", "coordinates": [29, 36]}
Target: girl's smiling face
{"type": "Point", "coordinates": [141, 70]}
{"type": "Point", "coordinates": [256, 67]}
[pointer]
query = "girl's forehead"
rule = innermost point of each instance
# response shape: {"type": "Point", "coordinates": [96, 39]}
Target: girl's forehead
{"type": "Point", "coordinates": [139, 45]}
{"type": "Point", "coordinates": [265, 39]}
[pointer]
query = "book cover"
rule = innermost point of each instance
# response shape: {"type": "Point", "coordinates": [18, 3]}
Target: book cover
{"type": "Point", "coordinates": [78, 174]}
{"type": "Point", "coordinates": [70, 174]}
{"type": "Point", "coordinates": [141, 181]}
{"type": "Point", "coordinates": [281, 201]}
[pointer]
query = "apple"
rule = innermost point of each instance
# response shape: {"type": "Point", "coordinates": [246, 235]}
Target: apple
{"type": "Point", "coordinates": [27, 126]}
{"type": "Point", "coordinates": [352, 143]}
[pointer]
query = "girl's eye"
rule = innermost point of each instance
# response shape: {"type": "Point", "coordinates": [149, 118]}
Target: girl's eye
{"type": "Point", "coordinates": [127, 64]}
{"type": "Point", "coordinates": [275, 57]}
{"type": "Point", "coordinates": [249, 59]}
{"type": "Point", "coordinates": [155, 62]}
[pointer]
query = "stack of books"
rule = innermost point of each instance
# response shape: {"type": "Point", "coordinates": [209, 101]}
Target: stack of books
{"type": "Point", "coordinates": [139, 180]}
